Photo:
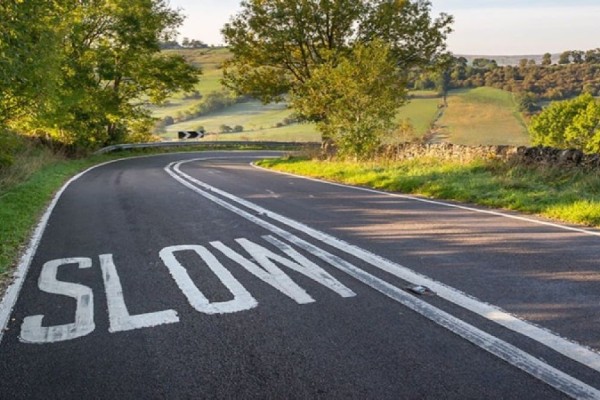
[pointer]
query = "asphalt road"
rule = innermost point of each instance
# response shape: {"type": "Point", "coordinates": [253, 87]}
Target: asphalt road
{"type": "Point", "coordinates": [200, 276]}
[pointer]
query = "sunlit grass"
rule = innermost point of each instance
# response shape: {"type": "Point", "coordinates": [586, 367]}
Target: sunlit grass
{"type": "Point", "coordinates": [485, 116]}
{"type": "Point", "coordinates": [562, 194]}
{"type": "Point", "coordinates": [421, 111]}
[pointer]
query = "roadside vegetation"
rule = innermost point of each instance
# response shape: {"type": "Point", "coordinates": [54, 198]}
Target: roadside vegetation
{"type": "Point", "coordinates": [568, 195]}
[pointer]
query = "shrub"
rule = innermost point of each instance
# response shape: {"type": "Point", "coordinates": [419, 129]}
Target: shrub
{"type": "Point", "coordinates": [569, 124]}
{"type": "Point", "coordinates": [225, 129]}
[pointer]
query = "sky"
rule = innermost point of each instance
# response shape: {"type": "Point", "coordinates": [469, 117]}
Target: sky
{"type": "Point", "coordinates": [481, 27]}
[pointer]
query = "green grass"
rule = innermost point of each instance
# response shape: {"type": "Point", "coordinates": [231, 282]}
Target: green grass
{"type": "Point", "coordinates": [252, 115]}
{"type": "Point", "coordinates": [210, 60]}
{"type": "Point", "coordinates": [563, 194]}
{"type": "Point", "coordinates": [484, 116]}
{"type": "Point", "coordinates": [290, 133]}
{"type": "Point", "coordinates": [259, 120]}
{"type": "Point", "coordinates": [421, 111]}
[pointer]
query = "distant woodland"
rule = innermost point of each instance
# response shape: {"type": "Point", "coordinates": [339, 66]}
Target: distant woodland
{"type": "Point", "coordinates": [573, 73]}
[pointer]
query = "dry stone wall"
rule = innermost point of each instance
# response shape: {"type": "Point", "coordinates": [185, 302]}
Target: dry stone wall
{"type": "Point", "coordinates": [527, 155]}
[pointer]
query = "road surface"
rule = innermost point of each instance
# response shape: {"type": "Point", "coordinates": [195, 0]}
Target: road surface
{"type": "Point", "coordinates": [197, 275]}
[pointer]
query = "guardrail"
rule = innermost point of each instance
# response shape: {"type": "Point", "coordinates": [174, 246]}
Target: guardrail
{"type": "Point", "coordinates": [208, 144]}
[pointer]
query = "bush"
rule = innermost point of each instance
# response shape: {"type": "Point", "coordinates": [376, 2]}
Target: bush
{"type": "Point", "coordinates": [10, 144]}
{"type": "Point", "coordinates": [238, 129]}
{"type": "Point", "coordinates": [569, 124]}
{"type": "Point", "coordinates": [225, 129]}
{"type": "Point", "coordinates": [168, 120]}
{"type": "Point", "coordinates": [193, 95]}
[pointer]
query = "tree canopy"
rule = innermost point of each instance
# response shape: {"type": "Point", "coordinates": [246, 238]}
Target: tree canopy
{"type": "Point", "coordinates": [28, 54]}
{"type": "Point", "coordinates": [100, 58]}
{"type": "Point", "coordinates": [569, 124]}
{"type": "Point", "coordinates": [279, 46]}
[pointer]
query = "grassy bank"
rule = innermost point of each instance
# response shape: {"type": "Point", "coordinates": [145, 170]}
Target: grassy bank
{"type": "Point", "coordinates": [562, 194]}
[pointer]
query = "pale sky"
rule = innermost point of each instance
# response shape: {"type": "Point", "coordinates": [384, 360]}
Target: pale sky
{"type": "Point", "coordinates": [481, 27]}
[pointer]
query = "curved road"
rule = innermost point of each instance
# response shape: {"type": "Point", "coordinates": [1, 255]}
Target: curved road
{"type": "Point", "coordinates": [197, 275]}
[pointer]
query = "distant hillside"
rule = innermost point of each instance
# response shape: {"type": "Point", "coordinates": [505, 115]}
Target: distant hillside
{"type": "Point", "coordinates": [510, 60]}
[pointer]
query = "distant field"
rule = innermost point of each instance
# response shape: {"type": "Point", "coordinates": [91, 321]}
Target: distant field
{"type": "Point", "coordinates": [421, 110]}
{"type": "Point", "coordinates": [291, 133]}
{"type": "Point", "coordinates": [259, 122]}
{"type": "Point", "coordinates": [482, 116]}
{"type": "Point", "coordinates": [210, 60]}
{"type": "Point", "coordinates": [252, 115]}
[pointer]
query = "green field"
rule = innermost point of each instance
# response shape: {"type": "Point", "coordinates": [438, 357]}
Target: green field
{"type": "Point", "coordinates": [291, 133]}
{"type": "Point", "coordinates": [482, 116]}
{"type": "Point", "coordinates": [259, 120]}
{"type": "Point", "coordinates": [421, 111]}
{"type": "Point", "coordinates": [210, 61]}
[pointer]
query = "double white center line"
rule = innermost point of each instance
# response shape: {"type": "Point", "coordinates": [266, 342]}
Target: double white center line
{"type": "Point", "coordinates": [505, 351]}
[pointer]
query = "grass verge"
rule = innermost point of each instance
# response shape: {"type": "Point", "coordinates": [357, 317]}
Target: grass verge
{"type": "Point", "coordinates": [567, 195]}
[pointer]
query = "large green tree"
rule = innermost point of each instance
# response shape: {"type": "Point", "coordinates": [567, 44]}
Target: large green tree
{"type": "Point", "coordinates": [279, 45]}
{"type": "Point", "coordinates": [569, 124]}
{"type": "Point", "coordinates": [355, 101]}
{"type": "Point", "coordinates": [83, 72]}
{"type": "Point", "coordinates": [29, 44]}
{"type": "Point", "coordinates": [113, 65]}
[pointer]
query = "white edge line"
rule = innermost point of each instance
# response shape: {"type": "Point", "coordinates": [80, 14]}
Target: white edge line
{"type": "Point", "coordinates": [20, 273]}
{"type": "Point", "coordinates": [436, 202]}
{"type": "Point", "coordinates": [566, 347]}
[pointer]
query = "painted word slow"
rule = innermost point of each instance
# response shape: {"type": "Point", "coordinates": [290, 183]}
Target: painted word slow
{"type": "Point", "coordinates": [260, 261]}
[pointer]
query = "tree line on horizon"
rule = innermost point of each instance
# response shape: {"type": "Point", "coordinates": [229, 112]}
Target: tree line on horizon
{"type": "Point", "coordinates": [575, 73]}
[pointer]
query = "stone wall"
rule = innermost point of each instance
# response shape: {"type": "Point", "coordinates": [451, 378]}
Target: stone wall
{"type": "Point", "coordinates": [526, 155]}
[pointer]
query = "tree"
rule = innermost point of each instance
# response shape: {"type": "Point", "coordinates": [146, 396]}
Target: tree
{"type": "Point", "coordinates": [354, 100]}
{"type": "Point", "coordinates": [110, 61]}
{"type": "Point", "coordinates": [527, 102]}
{"type": "Point", "coordinates": [547, 59]}
{"type": "Point", "coordinates": [565, 57]}
{"type": "Point", "coordinates": [577, 56]}
{"type": "Point", "coordinates": [29, 62]}
{"type": "Point", "coordinates": [569, 124]}
{"type": "Point", "coordinates": [592, 56]}
{"type": "Point", "coordinates": [279, 46]}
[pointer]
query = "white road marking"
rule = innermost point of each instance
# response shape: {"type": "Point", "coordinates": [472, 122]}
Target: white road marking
{"type": "Point", "coordinates": [274, 276]}
{"type": "Point", "coordinates": [32, 330]}
{"type": "Point", "coordinates": [242, 299]}
{"type": "Point", "coordinates": [573, 350]}
{"type": "Point", "coordinates": [119, 317]}
{"type": "Point", "coordinates": [438, 202]}
{"type": "Point", "coordinates": [511, 354]}
{"type": "Point", "coordinates": [271, 274]}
